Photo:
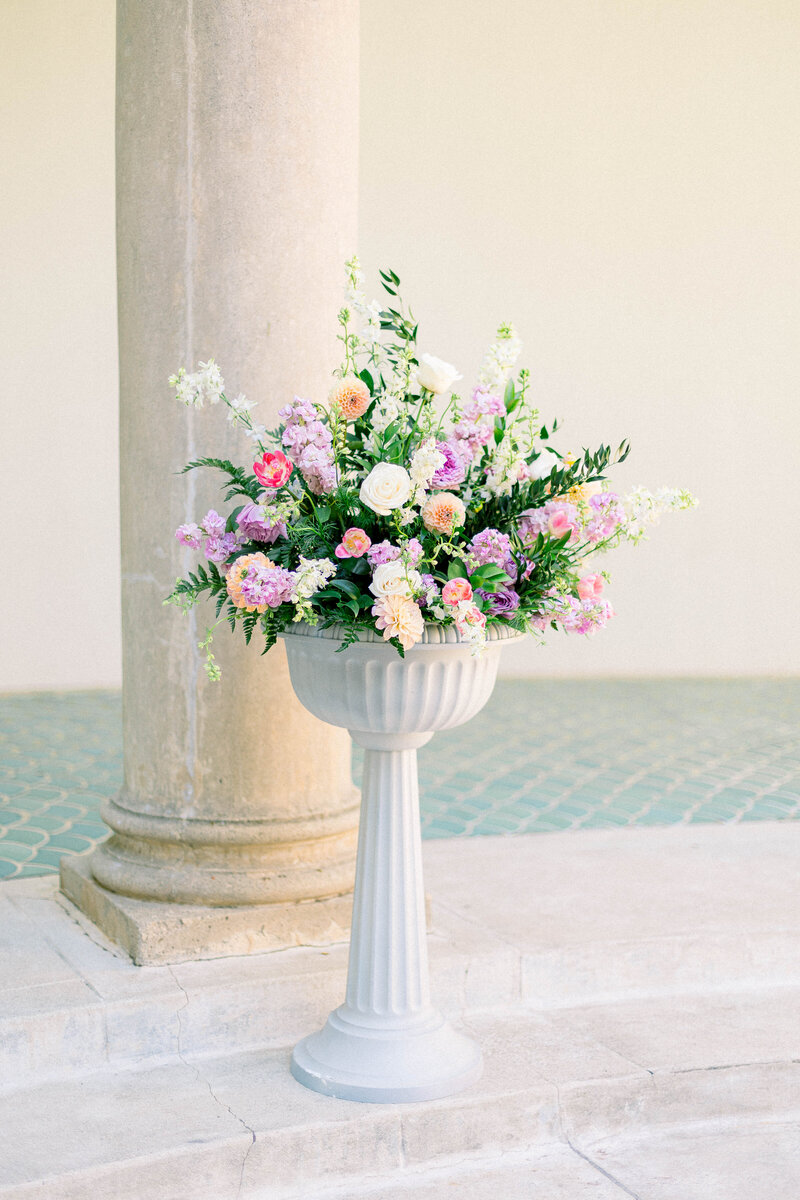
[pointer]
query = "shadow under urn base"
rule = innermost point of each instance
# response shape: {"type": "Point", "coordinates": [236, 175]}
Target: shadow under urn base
{"type": "Point", "coordinates": [387, 1042]}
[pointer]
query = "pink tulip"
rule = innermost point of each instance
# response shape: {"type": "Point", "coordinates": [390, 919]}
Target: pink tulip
{"type": "Point", "coordinates": [273, 470]}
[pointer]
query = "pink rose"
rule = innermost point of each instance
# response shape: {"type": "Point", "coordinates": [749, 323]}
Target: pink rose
{"type": "Point", "coordinates": [470, 617]}
{"type": "Point", "coordinates": [590, 587]}
{"type": "Point", "coordinates": [559, 524]}
{"type": "Point", "coordinates": [456, 590]}
{"type": "Point", "coordinates": [354, 543]}
{"type": "Point", "coordinates": [273, 470]}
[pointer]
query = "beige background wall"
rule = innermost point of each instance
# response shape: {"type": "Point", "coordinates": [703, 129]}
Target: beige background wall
{"type": "Point", "coordinates": [619, 178]}
{"type": "Point", "coordinates": [59, 612]}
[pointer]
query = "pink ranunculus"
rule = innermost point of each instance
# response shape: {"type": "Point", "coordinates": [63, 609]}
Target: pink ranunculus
{"type": "Point", "coordinates": [354, 543]}
{"type": "Point", "coordinates": [456, 590]}
{"type": "Point", "coordinates": [273, 470]}
{"type": "Point", "coordinates": [590, 587]}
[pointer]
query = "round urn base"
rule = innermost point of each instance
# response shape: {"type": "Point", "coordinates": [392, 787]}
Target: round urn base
{"type": "Point", "coordinates": [384, 1065]}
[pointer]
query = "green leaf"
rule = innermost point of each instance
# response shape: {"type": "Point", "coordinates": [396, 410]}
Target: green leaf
{"type": "Point", "coordinates": [367, 379]}
{"type": "Point", "coordinates": [346, 586]}
{"type": "Point", "coordinates": [508, 396]}
{"type": "Point", "coordinates": [489, 577]}
{"type": "Point", "coordinates": [457, 570]}
{"type": "Point", "coordinates": [230, 524]}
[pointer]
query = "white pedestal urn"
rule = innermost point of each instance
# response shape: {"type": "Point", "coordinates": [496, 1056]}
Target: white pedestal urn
{"type": "Point", "coordinates": [387, 1042]}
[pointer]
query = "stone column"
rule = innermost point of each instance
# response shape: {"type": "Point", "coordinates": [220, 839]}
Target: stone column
{"type": "Point", "coordinates": [237, 141]}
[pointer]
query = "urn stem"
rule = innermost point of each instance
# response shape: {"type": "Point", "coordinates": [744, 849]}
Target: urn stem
{"type": "Point", "coordinates": [387, 974]}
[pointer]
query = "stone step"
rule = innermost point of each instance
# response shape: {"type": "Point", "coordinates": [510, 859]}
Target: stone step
{"type": "Point", "coordinates": [734, 1160]}
{"type": "Point", "coordinates": [241, 1126]}
{"type": "Point", "coordinates": [548, 921]}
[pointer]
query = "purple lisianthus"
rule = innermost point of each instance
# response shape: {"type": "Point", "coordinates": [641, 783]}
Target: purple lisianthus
{"type": "Point", "coordinates": [256, 525]}
{"type": "Point", "coordinates": [453, 470]}
{"type": "Point", "coordinates": [217, 549]}
{"type": "Point", "coordinates": [212, 524]}
{"type": "Point", "coordinates": [501, 604]}
{"type": "Point", "coordinates": [382, 552]}
{"type": "Point", "coordinates": [189, 535]}
{"type": "Point", "coordinates": [267, 585]}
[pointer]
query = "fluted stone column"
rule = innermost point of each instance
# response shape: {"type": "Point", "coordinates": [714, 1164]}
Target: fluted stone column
{"type": "Point", "coordinates": [237, 131]}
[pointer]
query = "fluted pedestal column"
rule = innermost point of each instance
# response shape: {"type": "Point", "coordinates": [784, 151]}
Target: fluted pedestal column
{"type": "Point", "coordinates": [237, 175]}
{"type": "Point", "coordinates": [387, 1042]}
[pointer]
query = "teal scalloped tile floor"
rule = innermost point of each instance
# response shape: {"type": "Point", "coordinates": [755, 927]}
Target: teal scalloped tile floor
{"type": "Point", "coordinates": [543, 755]}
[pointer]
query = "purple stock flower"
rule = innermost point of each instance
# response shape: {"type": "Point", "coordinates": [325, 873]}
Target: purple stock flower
{"type": "Point", "coordinates": [431, 591]}
{"type": "Point", "coordinates": [212, 524]}
{"type": "Point", "coordinates": [492, 546]}
{"type": "Point", "coordinates": [317, 468]}
{"type": "Point", "coordinates": [189, 535]}
{"type": "Point", "coordinates": [414, 551]}
{"type": "Point", "coordinates": [264, 585]}
{"type": "Point", "coordinates": [585, 616]}
{"type": "Point", "coordinates": [607, 515]}
{"type": "Point", "coordinates": [217, 549]}
{"type": "Point", "coordinates": [382, 552]}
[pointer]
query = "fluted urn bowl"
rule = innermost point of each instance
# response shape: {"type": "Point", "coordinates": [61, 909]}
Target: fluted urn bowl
{"type": "Point", "coordinates": [387, 1042]}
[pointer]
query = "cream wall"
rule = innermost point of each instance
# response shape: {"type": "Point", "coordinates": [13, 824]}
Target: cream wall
{"type": "Point", "coordinates": [58, 443]}
{"type": "Point", "coordinates": [619, 178]}
{"type": "Point", "coordinates": [622, 179]}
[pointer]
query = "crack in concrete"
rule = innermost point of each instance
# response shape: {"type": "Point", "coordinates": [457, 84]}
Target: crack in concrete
{"type": "Point", "coordinates": [611, 1178]}
{"type": "Point", "coordinates": [580, 1154]}
{"type": "Point", "coordinates": [202, 1079]}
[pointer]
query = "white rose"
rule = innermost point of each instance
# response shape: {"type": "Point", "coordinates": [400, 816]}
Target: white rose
{"type": "Point", "coordinates": [541, 467]}
{"type": "Point", "coordinates": [395, 579]}
{"type": "Point", "coordinates": [435, 375]}
{"type": "Point", "coordinates": [386, 487]}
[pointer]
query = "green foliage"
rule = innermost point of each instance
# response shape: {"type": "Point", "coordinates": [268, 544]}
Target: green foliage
{"type": "Point", "coordinates": [240, 482]}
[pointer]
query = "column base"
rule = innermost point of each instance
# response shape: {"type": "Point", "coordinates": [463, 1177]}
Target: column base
{"type": "Point", "coordinates": [385, 1065]}
{"type": "Point", "coordinates": [153, 932]}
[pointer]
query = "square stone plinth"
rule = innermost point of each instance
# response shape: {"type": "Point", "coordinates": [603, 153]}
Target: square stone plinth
{"type": "Point", "coordinates": [153, 932]}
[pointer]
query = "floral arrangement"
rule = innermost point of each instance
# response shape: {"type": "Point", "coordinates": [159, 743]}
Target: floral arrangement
{"type": "Point", "coordinates": [397, 502]}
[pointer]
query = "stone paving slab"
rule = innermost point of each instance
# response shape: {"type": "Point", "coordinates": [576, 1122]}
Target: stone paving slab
{"type": "Point", "coordinates": [172, 1083]}
{"type": "Point", "coordinates": [544, 755]}
{"type": "Point", "coordinates": [240, 1125]}
{"type": "Point", "coordinates": [754, 1161]}
{"type": "Point", "coordinates": [566, 922]}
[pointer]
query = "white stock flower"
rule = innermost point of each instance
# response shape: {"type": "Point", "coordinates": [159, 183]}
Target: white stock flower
{"type": "Point", "coordinates": [425, 462]}
{"type": "Point", "coordinates": [239, 409]}
{"type": "Point", "coordinates": [310, 577]}
{"type": "Point", "coordinates": [386, 488]}
{"type": "Point", "coordinates": [256, 433]}
{"type": "Point", "coordinates": [204, 384]}
{"type": "Point", "coordinates": [436, 375]}
{"type": "Point", "coordinates": [395, 579]}
{"type": "Point", "coordinates": [500, 358]}
{"type": "Point", "coordinates": [383, 413]}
